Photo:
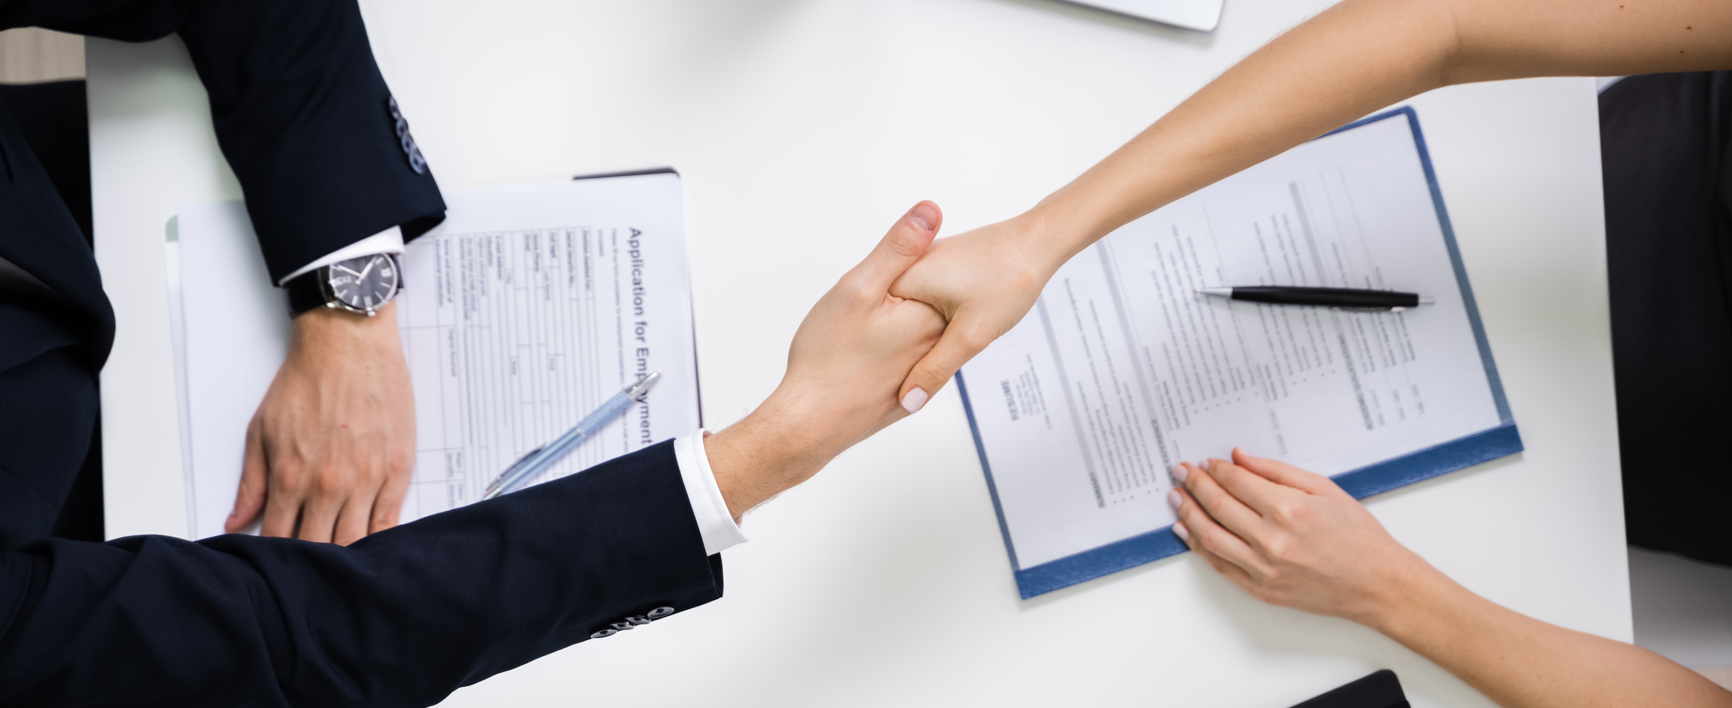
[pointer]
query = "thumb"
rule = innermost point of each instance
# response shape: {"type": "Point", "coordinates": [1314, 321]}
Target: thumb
{"type": "Point", "coordinates": [900, 247]}
{"type": "Point", "coordinates": [959, 343]}
{"type": "Point", "coordinates": [250, 498]}
{"type": "Point", "coordinates": [1284, 474]}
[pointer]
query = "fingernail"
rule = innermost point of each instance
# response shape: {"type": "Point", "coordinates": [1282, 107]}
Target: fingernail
{"type": "Point", "coordinates": [1174, 499]}
{"type": "Point", "coordinates": [923, 217]}
{"type": "Point", "coordinates": [1183, 533]}
{"type": "Point", "coordinates": [1179, 473]}
{"type": "Point", "coordinates": [913, 400]}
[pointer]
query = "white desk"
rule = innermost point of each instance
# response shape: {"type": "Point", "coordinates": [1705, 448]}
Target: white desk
{"type": "Point", "coordinates": [804, 128]}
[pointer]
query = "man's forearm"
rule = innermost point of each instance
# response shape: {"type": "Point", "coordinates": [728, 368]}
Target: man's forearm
{"type": "Point", "coordinates": [1521, 662]}
{"type": "Point", "coordinates": [767, 453]}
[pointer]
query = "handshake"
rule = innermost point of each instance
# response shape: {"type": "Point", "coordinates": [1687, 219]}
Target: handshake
{"type": "Point", "coordinates": [875, 348]}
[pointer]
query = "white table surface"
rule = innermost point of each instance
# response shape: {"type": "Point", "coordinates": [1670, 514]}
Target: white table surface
{"type": "Point", "coordinates": [804, 128]}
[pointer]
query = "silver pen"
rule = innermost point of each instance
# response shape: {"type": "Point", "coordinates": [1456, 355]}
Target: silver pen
{"type": "Point", "coordinates": [541, 458]}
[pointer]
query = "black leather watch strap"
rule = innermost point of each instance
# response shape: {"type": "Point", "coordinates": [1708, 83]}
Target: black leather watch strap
{"type": "Point", "coordinates": [305, 292]}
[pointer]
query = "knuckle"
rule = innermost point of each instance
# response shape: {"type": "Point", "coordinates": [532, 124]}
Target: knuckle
{"type": "Point", "coordinates": [1278, 549]}
{"type": "Point", "coordinates": [1284, 511]}
{"type": "Point", "coordinates": [853, 286]}
{"type": "Point", "coordinates": [287, 478]}
{"type": "Point", "coordinates": [976, 336]}
{"type": "Point", "coordinates": [902, 245]}
{"type": "Point", "coordinates": [327, 482]}
{"type": "Point", "coordinates": [934, 375]}
{"type": "Point", "coordinates": [1205, 497]}
{"type": "Point", "coordinates": [1207, 538]}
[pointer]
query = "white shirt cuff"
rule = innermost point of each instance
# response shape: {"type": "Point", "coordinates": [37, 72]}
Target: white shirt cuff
{"type": "Point", "coordinates": [715, 524]}
{"type": "Point", "coordinates": [388, 241]}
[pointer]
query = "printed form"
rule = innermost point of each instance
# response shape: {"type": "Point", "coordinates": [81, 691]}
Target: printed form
{"type": "Point", "coordinates": [517, 333]}
{"type": "Point", "coordinates": [527, 308]}
{"type": "Point", "coordinates": [1122, 370]}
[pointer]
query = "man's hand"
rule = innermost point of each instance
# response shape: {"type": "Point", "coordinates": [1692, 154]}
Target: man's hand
{"type": "Point", "coordinates": [983, 282]}
{"type": "Point", "coordinates": [331, 448]}
{"type": "Point", "coordinates": [849, 356]}
{"type": "Point", "coordinates": [1294, 538]}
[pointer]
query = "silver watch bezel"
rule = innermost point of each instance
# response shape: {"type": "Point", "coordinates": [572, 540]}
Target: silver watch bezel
{"type": "Point", "coordinates": [334, 302]}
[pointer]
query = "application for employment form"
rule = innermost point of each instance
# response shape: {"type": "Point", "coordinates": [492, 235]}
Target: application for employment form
{"type": "Point", "coordinates": [523, 311]}
{"type": "Point", "coordinates": [1122, 370]}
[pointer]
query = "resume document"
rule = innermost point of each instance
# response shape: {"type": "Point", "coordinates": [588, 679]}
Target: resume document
{"type": "Point", "coordinates": [1122, 369]}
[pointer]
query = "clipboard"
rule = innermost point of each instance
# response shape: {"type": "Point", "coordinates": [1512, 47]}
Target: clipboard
{"type": "Point", "coordinates": [1496, 437]}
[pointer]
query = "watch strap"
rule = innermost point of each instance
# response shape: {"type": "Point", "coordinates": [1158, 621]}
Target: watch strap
{"type": "Point", "coordinates": [306, 291]}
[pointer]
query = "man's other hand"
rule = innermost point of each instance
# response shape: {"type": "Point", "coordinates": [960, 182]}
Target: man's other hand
{"type": "Point", "coordinates": [331, 448]}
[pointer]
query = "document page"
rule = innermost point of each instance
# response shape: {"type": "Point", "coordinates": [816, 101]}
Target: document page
{"type": "Point", "coordinates": [521, 313]}
{"type": "Point", "coordinates": [1123, 370]}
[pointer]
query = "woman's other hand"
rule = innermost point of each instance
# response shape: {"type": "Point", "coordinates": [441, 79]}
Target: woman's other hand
{"type": "Point", "coordinates": [1292, 538]}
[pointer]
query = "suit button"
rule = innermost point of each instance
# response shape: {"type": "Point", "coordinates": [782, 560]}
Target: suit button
{"type": "Point", "coordinates": [406, 140]}
{"type": "Point", "coordinates": [660, 612]}
{"type": "Point", "coordinates": [621, 626]}
{"type": "Point", "coordinates": [603, 634]}
{"type": "Point", "coordinates": [637, 621]}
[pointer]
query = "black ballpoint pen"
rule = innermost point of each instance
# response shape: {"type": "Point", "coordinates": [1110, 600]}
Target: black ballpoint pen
{"type": "Point", "coordinates": [1345, 298]}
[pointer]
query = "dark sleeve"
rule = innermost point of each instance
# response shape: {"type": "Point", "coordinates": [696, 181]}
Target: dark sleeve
{"type": "Point", "coordinates": [400, 618]}
{"type": "Point", "coordinates": [301, 112]}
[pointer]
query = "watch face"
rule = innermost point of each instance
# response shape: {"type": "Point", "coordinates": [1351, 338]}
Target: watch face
{"type": "Point", "coordinates": [365, 283]}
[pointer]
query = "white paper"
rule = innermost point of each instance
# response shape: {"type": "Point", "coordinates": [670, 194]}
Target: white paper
{"type": "Point", "coordinates": [1122, 370]}
{"type": "Point", "coordinates": [522, 312]}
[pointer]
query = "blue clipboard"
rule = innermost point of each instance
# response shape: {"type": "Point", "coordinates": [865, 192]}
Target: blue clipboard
{"type": "Point", "coordinates": [1460, 453]}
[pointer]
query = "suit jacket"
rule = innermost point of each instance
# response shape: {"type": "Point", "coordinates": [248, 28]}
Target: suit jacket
{"type": "Point", "coordinates": [300, 110]}
{"type": "Point", "coordinates": [400, 618]}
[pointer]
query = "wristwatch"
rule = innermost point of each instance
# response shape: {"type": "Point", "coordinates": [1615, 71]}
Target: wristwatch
{"type": "Point", "coordinates": [359, 285]}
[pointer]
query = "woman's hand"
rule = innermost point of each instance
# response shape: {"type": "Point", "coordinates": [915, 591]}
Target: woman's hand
{"type": "Point", "coordinates": [983, 282]}
{"type": "Point", "coordinates": [1293, 538]}
{"type": "Point", "coordinates": [849, 356]}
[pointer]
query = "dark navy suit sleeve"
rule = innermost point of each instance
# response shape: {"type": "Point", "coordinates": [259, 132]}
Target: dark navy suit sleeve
{"type": "Point", "coordinates": [400, 618]}
{"type": "Point", "coordinates": [300, 110]}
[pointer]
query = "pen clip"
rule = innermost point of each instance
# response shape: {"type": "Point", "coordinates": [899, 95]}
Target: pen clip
{"type": "Point", "coordinates": [637, 391]}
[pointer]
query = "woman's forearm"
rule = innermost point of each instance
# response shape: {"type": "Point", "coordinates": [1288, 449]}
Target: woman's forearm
{"type": "Point", "coordinates": [1521, 662]}
{"type": "Point", "coordinates": [1301, 85]}
{"type": "Point", "coordinates": [1351, 60]}
{"type": "Point", "coordinates": [1355, 58]}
